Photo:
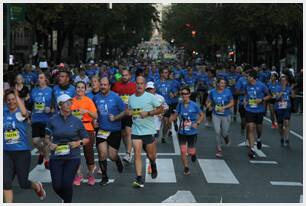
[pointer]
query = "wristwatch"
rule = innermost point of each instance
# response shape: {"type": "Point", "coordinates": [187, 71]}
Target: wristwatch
{"type": "Point", "coordinates": [81, 142]}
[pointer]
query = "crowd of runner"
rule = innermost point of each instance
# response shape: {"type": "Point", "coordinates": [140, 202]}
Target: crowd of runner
{"type": "Point", "coordinates": [70, 107]}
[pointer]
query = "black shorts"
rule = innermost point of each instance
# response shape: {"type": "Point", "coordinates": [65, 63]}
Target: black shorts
{"type": "Point", "coordinates": [253, 117]}
{"type": "Point", "coordinates": [189, 139]}
{"type": "Point", "coordinates": [16, 163]}
{"type": "Point", "coordinates": [282, 114]}
{"type": "Point", "coordinates": [113, 140]}
{"type": "Point", "coordinates": [38, 129]}
{"type": "Point", "coordinates": [241, 111]}
{"type": "Point", "coordinates": [146, 139]}
{"type": "Point", "coordinates": [171, 110]}
{"type": "Point", "coordinates": [126, 122]}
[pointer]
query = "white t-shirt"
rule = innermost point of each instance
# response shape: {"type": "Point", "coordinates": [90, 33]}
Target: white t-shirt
{"type": "Point", "coordinates": [78, 79]}
{"type": "Point", "coordinates": [157, 118]}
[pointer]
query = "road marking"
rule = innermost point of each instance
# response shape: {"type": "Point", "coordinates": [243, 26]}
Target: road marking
{"type": "Point", "coordinates": [165, 169]}
{"type": "Point", "coordinates": [301, 198]}
{"type": "Point", "coordinates": [279, 183]}
{"type": "Point", "coordinates": [176, 145]}
{"type": "Point", "coordinates": [217, 171]}
{"type": "Point", "coordinates": [243, 144]}
{"type": "Point", "coordinates": [291, 131]}
{"type": "Point", "coordinates": [221, 200]}
{"type": "Point", "coordinates": [259, 152]}
{"type": "Point", "coordinates": [263, 162]}
{"type": "Point", "coordinates": [40, 174]}
{"type": "Point", "coordinates": [181, 197]}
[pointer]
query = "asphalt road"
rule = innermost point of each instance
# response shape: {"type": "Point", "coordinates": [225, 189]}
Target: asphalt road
{"type": "Point", "coordinates": [275, 176]}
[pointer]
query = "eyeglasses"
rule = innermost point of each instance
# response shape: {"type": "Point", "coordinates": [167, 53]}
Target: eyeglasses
{"type": "Point", "coordinates": [67, 102]}
{"type": "Point", "coordinates": [183, 93]}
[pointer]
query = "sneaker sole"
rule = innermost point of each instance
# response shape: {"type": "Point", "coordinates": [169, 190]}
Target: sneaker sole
{"type": "Point", "coordinates": [136, 185]}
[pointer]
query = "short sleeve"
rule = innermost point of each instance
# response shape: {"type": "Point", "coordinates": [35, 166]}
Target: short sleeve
{"type": "Point", "coordinates": [120, 104]}
{"type": "Point", "coordinates": [92, 106]}
{"type": "Point", "coordinates": [155, 101]}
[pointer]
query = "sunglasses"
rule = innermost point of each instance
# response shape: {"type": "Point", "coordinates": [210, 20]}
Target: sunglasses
{"type": "Point", "coordinates": [184, 93]}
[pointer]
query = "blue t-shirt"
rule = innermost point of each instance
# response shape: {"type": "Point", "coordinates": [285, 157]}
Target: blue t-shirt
{"type": "Point", "coordinates": [41, 98]}
{"type": "Point", "coordinates": [191, 81]}
{"type": "Point", "coordinates": [92, 72]}
{"type": "Point", "coordinates": [211, 83]}
{"type": "Point", "coordinates": [63, 131]}
{"type": "Point", "coordinates": [29, 77]}
{"type": "Point", "coordinates": [188, 116]}
{"type": "Point", "coordinates": [164, 88]}
{"type": "Point", "coordinates": [284, 101]}
{"type": "Point", "coordinates": [272, 88]}
{"type": "Point", "coordinates": [264, 76]}
{"type": "Point", "coordinates": [231, 80]}
{"type": "Point", "coordinates": [153, 76]}
{"type": "Point", "coordinates": [57, 91]}
{"type": "Point", "coordinates": [253, 92]}
{"type": "Point", "coordinates": [177, 86]}
{"type": "Point", "coordinates": [220, 100]}
{"type": "Point", "coordinates": [240, 86]}
{"type": "Point", "coordinates": [202, 78]}
{"type": "Point", "coordinates": [106, 105]}
{"type": "Point", "coordinates": [92, 95]}
{"type": "Point", "coordinates": [15, 136]}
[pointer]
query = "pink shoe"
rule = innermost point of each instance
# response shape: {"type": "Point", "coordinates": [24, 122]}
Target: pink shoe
{"type": "Point", "coordinates": [77, 180]}
{"type": "Point", "coordinates": [91, 180]}
{"type": "Point", "coordinates": [41, 193]}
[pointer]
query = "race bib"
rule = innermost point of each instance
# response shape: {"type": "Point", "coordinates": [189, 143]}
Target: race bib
{"type": "Point", "coordinates": [218, 109]}
{"type": "Point", "coordinates": [62, 150]}
{"type": "Point", "coordinates": [273, 95]}
{"type": "Point", "coordinates": [231, 82]}
{"type": "Point", "coordinates": [253, 103]}
{"type": "Point", "coordinates": [39, 107]}
{"type": "Point", "coordinates": [125, 98]}
{"type": "Point", "coordinates": [77, 114]}
{"type": "Point", "coordinates": [136, 113]}
{"type": "Point", "coordinates": [283, 105]}
{"type": "Point", "coordinates": [103, 134]}
{"type": "Point", "coordinates": [187, 125]}
{"type": "Point", "coordinates": [12, 136]}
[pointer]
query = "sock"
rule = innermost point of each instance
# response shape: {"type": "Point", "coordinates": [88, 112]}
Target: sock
{"type": "Point", "coordinates": [103, 166]}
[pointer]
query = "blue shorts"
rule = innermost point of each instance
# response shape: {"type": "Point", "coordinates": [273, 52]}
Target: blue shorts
{"type": "Point", "coordinates": [282, 114]}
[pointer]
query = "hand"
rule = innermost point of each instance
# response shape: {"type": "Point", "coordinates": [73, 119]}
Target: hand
{"type": "Point", "coordinates": [144, 114]}
{"type": "Point", "coordinates": [95, 123]}
{"type": "Point", "coordinates": [52, 146]}
{"type": "Point", "coordinates": [258, 101]}
{"type": "Point", "coordinates": [83, 111]}
{"type": "Point", "coordinates": [112, 118]}
{"type": "Point", "coordinates": [74, 144]}
{"type": "Point", "coordinates": [195, 125]}
{"type": "Point", "coordinates": [129, 112]}
{"type": "Point", "coordinates": [221, 109]}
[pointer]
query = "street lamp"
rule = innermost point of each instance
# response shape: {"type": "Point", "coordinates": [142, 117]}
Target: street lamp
{"type": "Point", "coordinates": [193, 33]}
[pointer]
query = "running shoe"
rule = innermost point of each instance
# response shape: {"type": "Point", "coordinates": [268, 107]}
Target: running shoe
{"type": "Point", "coordinates": [154, 171]}
{"type": "Point", "coordinates": [46, 164]}
{"type": "Point", "coordinates": [104, 181]}
{"type": "Point", "coordinates": [286, 143]}
{"type": "Point", "coordinates": [149, 169]}
{"type": "Point", "coordinates": [193, 158]}
{"type": "Point", "coordinates": [259, 145]}
{"type": "Point", "coordinates": [127, 158]}
{"type": "Point", "coordinates": [227, 141]}
{"type": "Point", "coordinates": [251, 154]}
{"type": "Point", "coordinates": [186, 171]}
{"type": "Point", "coordinates": [41, 193]}
{"type": "Point", "coordinates": [91, 180]}
{"type": "Point", "coordinates": [119, 165]}
{"type": "Point", "coordinates": [273, 126]}
{"type": "Point", "coordinates": [282, 141]}
{"type": "Point", "coordinates": [138, 183]}
{"type": "Point", "coordinates": [40, 159]}
{"type": "Point", "coordinates": [219, 153]}
{"type": "Point", "coordinates": [77, 180]}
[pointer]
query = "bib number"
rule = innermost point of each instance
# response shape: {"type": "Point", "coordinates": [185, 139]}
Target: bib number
{"type": "Point", "coordinates": [62, 150]}
{"type": "Point", "coordinates": [187, 125]}
{"type": "Point", "coordinates": [283, 105]}
{"type": "Point", "coordinates": [39, 107]}
{"type": "Point", "coordinates": [12, 137]}
{"type": "Point", "coordinates": [218, 109]}
{"type": "Point", "coordinates": [136, 113]}
{"type": "Point", "coordinates": [253, 103]}
{"type": "Point", "coordinates": [103, 134]}
{"type": "Point", "coordinates": [231, 82]}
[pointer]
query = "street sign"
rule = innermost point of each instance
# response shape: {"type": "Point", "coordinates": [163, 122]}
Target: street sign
{"type": "Point", "coordinates": [17, 12]}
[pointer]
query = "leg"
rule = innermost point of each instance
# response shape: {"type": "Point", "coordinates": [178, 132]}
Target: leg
{"type": "Point", "coordinates": [137, 145]}
{"type": "Point", "coordinates": [217, 126]}
{"type": "Point", "coordinates": [183, 147]}
{"type": "Point", "coordinates": [89, 154]}
{"type": "Point", "coordinates": [251, 133]}
{"type": "Point", "coordinates": [38, 143]}
{"type": "Point", "coordinates": [57, 170]}
{"type": "Point", "coordinates": [191, 147]}
{"type": "Point", "coordinates": [8, 176]}
{"type": "Point", "coordinates": [102, 152]}
{"type": "Point", "coordinates": [226, 123]}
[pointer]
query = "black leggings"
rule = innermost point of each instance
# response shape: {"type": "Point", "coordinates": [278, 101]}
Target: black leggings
{"type": "Point", "coordinates": [62, 174]}
{"type": "Point", "coordinates": [16, 163]}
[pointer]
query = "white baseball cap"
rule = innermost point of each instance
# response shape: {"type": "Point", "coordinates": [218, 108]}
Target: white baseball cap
{"type": "Point", "coordinates": [150, 85]}
{"type": "Point", "coordinates": [63, 98]}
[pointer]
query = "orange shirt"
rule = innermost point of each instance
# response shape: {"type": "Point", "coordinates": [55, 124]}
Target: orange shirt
{"type": "Point", "coordinates": [84, 103]}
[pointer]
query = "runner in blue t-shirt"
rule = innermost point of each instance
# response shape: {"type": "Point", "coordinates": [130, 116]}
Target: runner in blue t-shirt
{"type": "Point", "coordinates": [190, 80]}
{"type": "Point", "coordinates": [231, 79]}
{"type": "Point", "coordinates": [190, 116]}
{"type": "Point", "coordinates": [16, 148]}
{"type": "Point", "coordinates": [41, 98]}
{"type": "Point", "coordinates": [111, 109]}
{"type": "Point", "coordinates": [220, 100]}
{"type": "Point", "coordinates": [272, 84]}
{"type": "Point", "coordinates": [256, 93]}
{"type": "Point", "coordinates": [283, 108]}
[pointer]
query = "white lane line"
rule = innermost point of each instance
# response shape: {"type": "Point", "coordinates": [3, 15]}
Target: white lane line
{"type": "Point", "coordinates": [175, 141]}
{"type": "Point", "coordinates": [259, 152]}
{"type": "Point", "coordinates": [291, 131]}
{"type": "Point", "coordinates": [243, 144]}
{"type": "Point", "coordinates": [217, 171]}
{"type": "Point", "coordinates": [301, 198]}
{"type": "Point", "coordinates": [263, 162]}
{"type": "Point", "coordinates": [181, 197]}
{"type": "Point", "coordinates": [166, 172]}
{"type": "Point", "coordinates": [280, 183]}
{"type": "Point", "coordinates": [40, 174]}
